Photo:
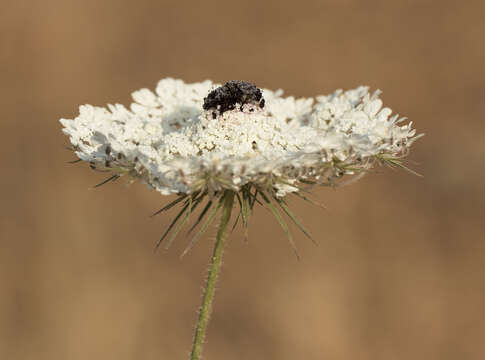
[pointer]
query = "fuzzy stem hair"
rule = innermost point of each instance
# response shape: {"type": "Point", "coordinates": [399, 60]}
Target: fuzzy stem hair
{"type": "Point", "coordinates": [216, 261]}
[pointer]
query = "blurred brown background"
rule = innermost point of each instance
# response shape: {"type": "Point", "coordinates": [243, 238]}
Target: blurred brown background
{"type": "Point", "coordinates": [399, 270]}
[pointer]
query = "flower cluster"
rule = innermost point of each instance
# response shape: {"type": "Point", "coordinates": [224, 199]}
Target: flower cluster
{"type": "Point", "coordinates": [232, 142]}
{"type": "Point", "coordinates": [178, 144]}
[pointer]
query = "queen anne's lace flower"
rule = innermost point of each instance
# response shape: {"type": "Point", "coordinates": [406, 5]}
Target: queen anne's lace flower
{"type": "Point", "coordinates": [169, 141]}
{"type": "Point", "coordinates": [232, 142]}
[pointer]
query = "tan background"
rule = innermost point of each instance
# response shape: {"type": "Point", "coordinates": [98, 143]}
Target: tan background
{"type": "Point", "coordinates": [399, 272]}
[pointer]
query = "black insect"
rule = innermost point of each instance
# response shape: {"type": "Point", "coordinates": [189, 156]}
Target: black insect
{"type": "Point", "coordinates": [233, 92]}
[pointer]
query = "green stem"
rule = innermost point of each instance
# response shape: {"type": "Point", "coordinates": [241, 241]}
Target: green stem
{"type": "Point", "coordinates": [216, 262]}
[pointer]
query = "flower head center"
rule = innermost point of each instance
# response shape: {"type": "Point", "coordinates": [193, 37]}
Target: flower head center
{"type": "Point", "coordinates": [233, 92]}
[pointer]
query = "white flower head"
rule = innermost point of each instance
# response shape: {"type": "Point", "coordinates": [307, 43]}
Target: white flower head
{"type": "Point", "coordinates": [188, 138]}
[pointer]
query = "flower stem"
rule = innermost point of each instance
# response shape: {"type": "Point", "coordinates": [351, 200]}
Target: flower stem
{"type": "Point", "coordinates": [205, 310]}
